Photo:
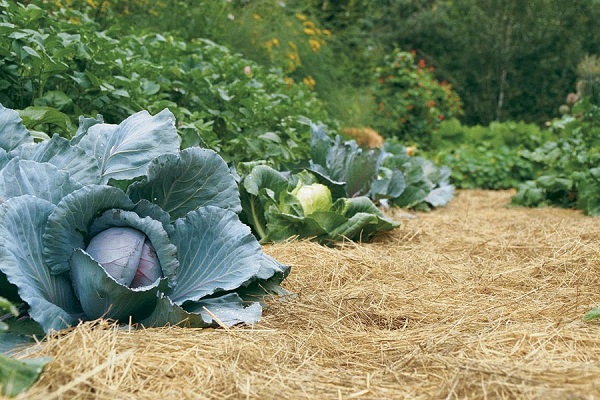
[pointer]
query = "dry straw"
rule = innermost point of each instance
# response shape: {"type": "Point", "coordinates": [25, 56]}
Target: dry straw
{"type": "Point", "coordinates": [475, 300]}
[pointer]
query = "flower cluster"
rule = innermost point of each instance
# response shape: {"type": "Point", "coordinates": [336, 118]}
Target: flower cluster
{"type": "Point", "coordinates": [411, 102]}
{"type": "Point", "coordinates": [295, 47]}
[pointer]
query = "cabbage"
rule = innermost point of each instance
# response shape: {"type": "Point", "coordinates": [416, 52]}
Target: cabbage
{"type": "Point", "coordinates": [119, 223]}
{"type": "Point", "coordinates": [315, 197]}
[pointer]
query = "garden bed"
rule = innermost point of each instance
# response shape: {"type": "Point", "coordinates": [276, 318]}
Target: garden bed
{"type": "Point", "coordinates": [474, 300]}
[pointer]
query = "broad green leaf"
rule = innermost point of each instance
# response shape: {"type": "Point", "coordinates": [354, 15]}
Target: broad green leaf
{"type": "Point", "coordinates": [50, 297]}
{"type": "Point", "coordinates": [283, 226]}
{"type": "Point", "coordinates": [66, 156]}
{"type": "Point", "coordinates": [68, 225]}
{"type": "Point", "coordinates": [40, 115]}
{"type": "Point", "coordinates": [363, 220]}
{"type": "Point", "coordinates": [354, 165]}
{"type": "Point", "coordinates": [16, 376]}
{"type": "Point", "coordinates": [192, 179]}
{"type": "Point", "coordinates": [125, 151]}
{"type": "Point", "coordinates": [12, 131]}
{"type": "Point", "coordinates": [259, 189]}
{"type": "Point", "coordinates": [216, 253]}
{"type": "Point", "coordinates": [41, 180]}
{"type": "Point", "coordinates": [11, 343]}
{"type": "Point", "coordinates": [262, 177]}
{"type": "Point", "coordinates": [102, 296]}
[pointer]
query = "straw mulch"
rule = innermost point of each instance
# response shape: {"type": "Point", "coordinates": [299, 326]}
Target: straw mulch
{"type": "Point", "coordinates": [475, 300]}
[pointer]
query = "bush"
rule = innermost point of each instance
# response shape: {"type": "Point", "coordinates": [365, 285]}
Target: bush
{"type": "Point", "coordinates": [60, 59]}
{"type": "Point", "coordinates": [488, 157]}
{"type": "Point", "coordinates": [569, 166]}
{"type": "Point", "coordinates": [411, 103]}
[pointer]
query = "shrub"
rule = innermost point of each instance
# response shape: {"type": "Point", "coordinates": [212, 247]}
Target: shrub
{"type": "Point", "coordinates": [411, 103]}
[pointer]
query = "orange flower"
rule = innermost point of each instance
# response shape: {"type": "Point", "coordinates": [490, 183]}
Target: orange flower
{"type": "Point", "coordinates": [421, 63]}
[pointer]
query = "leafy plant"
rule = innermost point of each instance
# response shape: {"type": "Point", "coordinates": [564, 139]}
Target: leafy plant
{"type": "Point", "coordinates": [389, 174]}
{"type": "Point", "coordinates": [569, 175]}
{"type": "Point", "coordinates": [187, 258]}
{"type": "Point", "coordinates": [16, 376]}
{"type": "Point", "coordinates": [411, 102]}
{"type": "Point", "coordinates": [281, 206]}
{"type": "Point", "coordinates": [220, 99]}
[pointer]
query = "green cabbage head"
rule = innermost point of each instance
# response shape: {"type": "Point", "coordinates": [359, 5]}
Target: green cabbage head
{"type": "Point", "coordinates": [314, 197]}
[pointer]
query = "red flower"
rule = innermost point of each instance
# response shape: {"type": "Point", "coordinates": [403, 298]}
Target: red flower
{"type": "Point", "coordinates": [421, 63]}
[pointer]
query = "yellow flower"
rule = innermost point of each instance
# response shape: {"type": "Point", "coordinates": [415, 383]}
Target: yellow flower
{"type": "Point", "coordinates": [411, 150]}
{"type": "Point", "coordinates": [294, 57]}
{"type": "Point", "coordinates": [326, 32]}
{"type": "Point", "coordinates": [256, 17]}
{"type": "Point", "coordinates": [293, 45]}
{"type": "Point", "coordinates": [314, 45]}
{"type": "Point", "coordinates": [309, 31]}
{"type": "Point", "coordinates": [310, 82]}
{"type": "Point", "coordinates": [289, 81]}
{"type": "Point", "coordinates": [309, 24]}
{"type": "Point", "coordinates": [301, 17]}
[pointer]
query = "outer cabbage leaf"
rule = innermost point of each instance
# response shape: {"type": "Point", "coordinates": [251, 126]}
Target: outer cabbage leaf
{"type": "Point", "coordinates": [354, 165]}
{"type": "Point", "coordinates": [85, 124]}
{"type": "Point", "coordinates": [222, 255]}
{"type": "Point", "coordinates": [364, 219]}
{"type": "Point", "coordinates": [229, 309]}
{"type": "Point", "coordinates": [41, 180]}
{"type": "Point", "coordinates": [261, 188]}
{"type": "Point", "coordinates": [50, 297]}
{"type": "Point", "coordinates": [320, 145]}
{"type": "Point", "coordinates": [68, 225]}
{"type": "Point", "coordinates": [63, 154]}
{"type": "Point", "coordinates": [192, 179]}
{"type": "Point", "coordinates": [102, 296]}
{"type": "Point", "coordinates": [283, 226]}
{"type": "Point", "coordinates": [124, 151]}
{"type": "Point", "coordinates": [12, 131]}
{"type": "Point", "coordinates": [440, 196]}
{"type": "Point", "coordinates": [389, 185]}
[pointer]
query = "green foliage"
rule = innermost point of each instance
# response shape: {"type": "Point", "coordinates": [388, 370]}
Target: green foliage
{"type": "Point", "coordinates": [490, 157]}
{"type": "Point", "coordinates": [412, 104]}
{"type": "Point", "coordinates": [220, 99]}
{"type": "Point", "coordinates": [569, 174]}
